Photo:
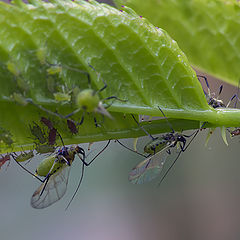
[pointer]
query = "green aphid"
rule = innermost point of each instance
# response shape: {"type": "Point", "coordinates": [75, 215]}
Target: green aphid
{"type": "Point", "coordinates": [38, 133]}
{"type": "Point", "coordinates": [62, 97]}
{"type": "Point", "coordinates": [87, 100]}
{"type": "Point", "coordinates": [11, 66]}
{"type": "Point", "coordinates": [18, 98]}
{"type": "Point", "coordinates": [41, 55]}
{"type": "Point", "coordinates": [44, 148]}
{"type": "Point", "coordinates": [159, 149]}
{"type": "Point", "coordinates": [55, 170]}
{"type": "Point", "coordinates": [5, 137]}
{"type": "Point", "coordinates": [23, 156]}
{"type": "Point", "coordinates": [64, 156]}
{"type": "Point", "coordinates": [54, 69]}
{"type": "Point", "coordinates": [21, 83]}
{"type": "Point", "coordinates": [44, 167]}
{"type": "Point", "coordinates": [156, 144]}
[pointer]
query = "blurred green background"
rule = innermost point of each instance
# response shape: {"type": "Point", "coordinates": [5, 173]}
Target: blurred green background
{"type": "Point", "coordinates": [199, 199]}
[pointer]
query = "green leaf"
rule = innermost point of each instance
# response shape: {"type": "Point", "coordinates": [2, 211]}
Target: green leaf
{"type": "Point", "coordinates": [138, 61]}
{"type": "Point", "coordinates": [206, 30]}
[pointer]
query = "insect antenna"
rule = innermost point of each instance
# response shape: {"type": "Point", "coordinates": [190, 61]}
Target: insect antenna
{"type": "Point", "coordinates": [25, 169]}
{"type": "Point", "coordinates": [84, 163]}
{"type": "Point", "coordinates": [130, 149]}
{"type": "Point", "coordinates": [235, 104]}
{"type": "Point", "coordinates": [206, 81]}
{"type": "Point", "coordinates": [60, 138]}
{"type": "Point", "coordinates": [166, 120]}
{"type": "Point", "coordinates": [165, 174]}
{"type": "Point", "coordinates": [182, 150]}
{"type": "Point", "coordinates": [78, 186]}
{"type": "Point", "coordinates": [99, 77]}
{"type": "Point", "coordinates": [105, 147]}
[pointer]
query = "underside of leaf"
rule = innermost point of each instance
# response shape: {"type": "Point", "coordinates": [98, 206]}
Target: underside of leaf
{"type": "Point", "coordinates": [139, 63]}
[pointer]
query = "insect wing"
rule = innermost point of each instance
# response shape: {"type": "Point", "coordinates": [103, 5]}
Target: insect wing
{"type": "Point", "coordinates": [148, 169]}
{"type": "Point", "coordinates": [54, 190]}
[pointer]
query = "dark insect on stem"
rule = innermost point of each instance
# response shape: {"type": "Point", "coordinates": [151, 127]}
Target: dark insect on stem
{"type": "Point", "coordinates": [52, 136]}
{"type": "Point", "coordinates": [38, 133]}
{"type": "Point", "coordinates": [47, 122]}
{"type": "Point", "coordinates": [72, 126]}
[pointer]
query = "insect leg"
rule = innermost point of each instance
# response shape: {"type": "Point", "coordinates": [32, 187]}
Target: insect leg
{"type": "Point", "coordinates": [153, 138]}
{"type": "Point", "coordinates": [84, 163]}
{"type": "Point", "coordinates": [234, 96]}
{"type": "Point", "coordinates": [87, 164]}
{"type": "Point", "coordinates": [51, 112]}
{"type": "Point", "coordinates": [99, 77]}
{"type": "Point", "coordinates": [220, 91]}
{"type": "Point", "coordinates": [82, 119]}
{"type": "Point", "coordinates": [78, 186]}
{"type": "Point", "coordinates": [111, 103]}
{"type": "Point", "coordinates": [185, 148]}
{"type": "Point", "coordinates": [206, 81]}
{"type": "Point", "coordinates": [165, 174]}
{"type": "Point", "coordinates": [235, 105]}
{"type": "Point", "coordinates": [14, 158]}
{"type": "Point", "coordinates": [95, 122]}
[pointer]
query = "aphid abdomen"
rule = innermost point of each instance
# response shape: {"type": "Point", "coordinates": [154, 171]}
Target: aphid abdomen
{"type": "Point", "coordinates": [5, 137]}
{"type": "Point", "coordinates": [45, 166]}
{"type": "Point", "coordinates": [155, 146]}
{"type": "Point", "coordinates": [72, 126]}
{"type": "Point", "coordinates": [46, 148]}
{"type": "Point", "coordinates": [52, 136]}
{"type": "Point", "coordinates": [47, 122]}
{"type": "Point", "coordinates": [24, 156]}
{"type": "Point", "coordinates": [87, 100]}
{"type": "Point", "coordinates": [38, 133]}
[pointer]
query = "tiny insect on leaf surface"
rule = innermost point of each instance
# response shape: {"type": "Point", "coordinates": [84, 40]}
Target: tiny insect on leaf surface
{"type": "Point", "coordinates": [139, 63]}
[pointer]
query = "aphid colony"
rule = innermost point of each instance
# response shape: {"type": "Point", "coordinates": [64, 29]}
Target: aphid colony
{"type": "Point", "coordinates": [53, 170]}
{"type": "Point", "coordinates": [215, 102]}
{"type": "Point", "coordinates": [80, 99]}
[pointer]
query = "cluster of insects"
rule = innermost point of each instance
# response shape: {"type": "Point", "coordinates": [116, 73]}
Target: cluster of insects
{"type": "Point", "coordinates": [215, 102]}
{"type": "Point", "coordinates": [53, 170]}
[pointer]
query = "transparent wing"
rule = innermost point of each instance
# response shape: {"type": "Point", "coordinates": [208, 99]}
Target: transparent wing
{"type": "Point", "coordinates": [149, 168]}
{"type": "Point", "coordinates": [54, 190]}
